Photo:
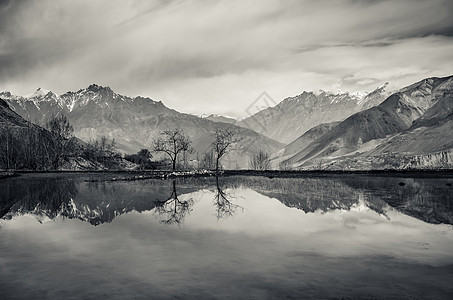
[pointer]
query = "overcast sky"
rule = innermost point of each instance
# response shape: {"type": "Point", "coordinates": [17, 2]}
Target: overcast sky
{"type": "Point", "coordinates": [218, 56]}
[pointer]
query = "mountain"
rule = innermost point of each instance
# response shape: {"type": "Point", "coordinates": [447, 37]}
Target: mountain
{"type": "Point", "coordinates": [429, 133]}
{"type": "Point", "coordinates": [301, 142]}
{"type": "Point", "coordinates": [37, 107]}
{"type": "Point", "coordinates": [428, 143]}
{"type": "Point", "coordinates": [292, 117]}
{"type": "Point", "coordinates": [133, 122]}
{"type": "Point", "coordinates": [23, 144]}
{"type": "Point", "coordinates": [14, 125]}
{"type": "Point", "coordinates": [222, 119]}
{"type": "Point", "coordinates": [9, 117]}
{"type": "Point", "coordinates": [419, 110]}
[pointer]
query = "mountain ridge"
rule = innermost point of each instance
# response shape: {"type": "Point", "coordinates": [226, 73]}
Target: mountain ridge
{"type": "Point", "coordinates": [135, 123]}
{"type": "Point", "coordinates": [293, 116]}
{"type": "Point", "coordinates": [412, 122]}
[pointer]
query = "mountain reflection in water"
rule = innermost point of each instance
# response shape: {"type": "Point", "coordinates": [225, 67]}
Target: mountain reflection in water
{"type": "Point", "coordinates": [430, 200]}
{"type": "Point", "coordinates": [235, 237]}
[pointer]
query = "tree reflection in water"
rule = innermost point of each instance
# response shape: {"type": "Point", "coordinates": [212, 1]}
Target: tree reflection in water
{"type": "Point", "coordinates": [225, 208]}
{"type": "Point", "coordinates": [49, 197]}
{"type": "Point", "coordinates": [173, 210]}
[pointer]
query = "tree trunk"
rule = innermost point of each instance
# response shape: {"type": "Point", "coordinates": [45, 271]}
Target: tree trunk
{"type": "Point", "coordinates": [7, 149]}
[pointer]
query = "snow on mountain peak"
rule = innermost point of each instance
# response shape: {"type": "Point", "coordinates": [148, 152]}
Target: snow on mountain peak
{"type": "Point", "coordinates": [40, 92]}
{"type": "Point", "coordinates": [318, 92]}
{"type": "Point", "coordinates": [339, 92]}
{"type": "Point", "coordinates": [359, 94]}
{"type": "Point", "coordinates": [382, 86]}
{"type": "Point", "coordinates": [43, 95]}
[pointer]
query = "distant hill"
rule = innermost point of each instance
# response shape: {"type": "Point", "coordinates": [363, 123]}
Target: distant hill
{"type": "Point", "coordinates": [222, 119]}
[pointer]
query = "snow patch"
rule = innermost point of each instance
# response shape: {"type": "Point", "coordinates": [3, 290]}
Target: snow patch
{"type": "Point", "coordinates": [318, 92]}
{"type": "Point", "coordinates": [38, 93]}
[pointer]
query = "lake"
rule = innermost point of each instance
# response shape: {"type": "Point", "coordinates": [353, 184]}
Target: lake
{"type": "Point", "coordinates": [352, 236]}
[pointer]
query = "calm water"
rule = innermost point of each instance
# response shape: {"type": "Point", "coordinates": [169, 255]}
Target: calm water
{"type": "Point", "coordinates": [344, 236]}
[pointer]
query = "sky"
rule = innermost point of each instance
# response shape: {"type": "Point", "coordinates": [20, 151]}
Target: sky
{"type": "Point", "coordinates": [205, 57]}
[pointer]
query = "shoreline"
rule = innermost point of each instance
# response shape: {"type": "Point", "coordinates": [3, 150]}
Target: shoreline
{"type": "Point", "coordinates": [167, 174]}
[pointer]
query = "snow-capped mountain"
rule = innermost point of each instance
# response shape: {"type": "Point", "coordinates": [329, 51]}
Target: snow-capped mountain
{"type": "Point", "coordinates": [46, 100]}
{"type": "Point", "coordinates": [293, 116]}
{"type": "Point", "coordinates": [98, 111]}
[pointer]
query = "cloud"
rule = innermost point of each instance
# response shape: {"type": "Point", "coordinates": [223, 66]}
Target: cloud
{"type": "Point", "coordinates": [217, 55]}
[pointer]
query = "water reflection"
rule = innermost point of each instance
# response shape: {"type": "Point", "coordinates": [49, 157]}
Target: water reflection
{"type": "Point", "coordinates": [173, 210]}
{"type": "Point", "coordinates": [427, 199]}
{"type": "Point", "coordinates": [95, 202]}
{"type": "Point", "coordinates": [223, 202]}
{"type": "Point", "coordinates": [44, 197]}
{"type": "Point", "coordinates": [295, 238]}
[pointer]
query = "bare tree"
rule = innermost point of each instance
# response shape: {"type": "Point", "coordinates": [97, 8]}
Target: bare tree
{"type": "Point", "coordinates": [208, 160]}
{"type": "Point", "coordinates": [63, 139]}
{"type": "Point", "coordinates": [224, 139]}
{"type": "Point", "coordinates": [260, 161]}
{"type": "Point", "coordinates": [225, 208]}
{"type": "Point", "coordinates": [60, 126]}
{"type": "Point", "coordinates": [173, 143]}
{"type": "Point", "coordinates": [6, 153]}
{"type": "Point", "coordinates": [31, 147]}
{"type": "Point", "coordinates": [173, 210]}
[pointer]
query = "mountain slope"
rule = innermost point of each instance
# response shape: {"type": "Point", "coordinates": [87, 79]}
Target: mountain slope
{"type": "Point", "coordinates": [308, 137]}
{"type": "Point", "coordinates": [9, 117]}
{"type": "Point", "coordinates": [38, 107]}
{"type": "Point", "coordinates": [292, 117]}
{"type": "Point", "coordinates": [431, 133]}
{"type": "Point", "coordinates": [394, 115]}
{"type": "Point", "coordinates": [134, 122]}
{"type": "Point", "coordinates": [302, 142]}
{"type": "Point", "coordinates": [23, 145]}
